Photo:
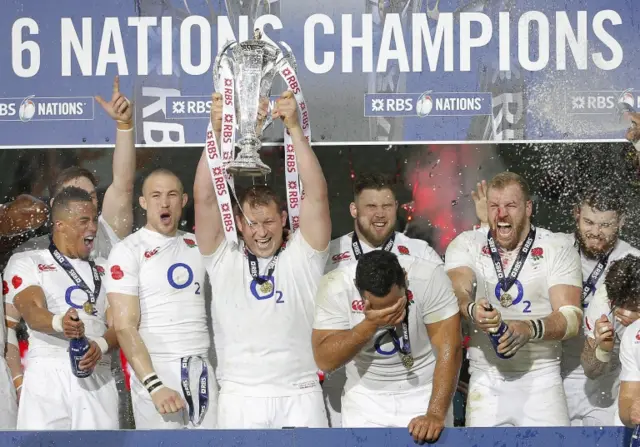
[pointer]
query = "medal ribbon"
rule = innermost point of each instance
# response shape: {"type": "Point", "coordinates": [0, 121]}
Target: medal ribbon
{"type": "Point", "coordinates": [507, 282]}
{"type": "Point", "coordinates": [357, 248]}
{"type": "Point", "coordinates": [254, 268]}
{"type": "Point", "coordinates": [294, 187]}
{"type": "Point", "coordinates": [92, 297]}
{"type": "Point", "coordinates": [203, 387]}
{"type": "Point", "coordinates": [589, 285]}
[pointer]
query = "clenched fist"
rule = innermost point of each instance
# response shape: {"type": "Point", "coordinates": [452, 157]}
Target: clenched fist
{"type": "Point", "coordinates": [286, 108]}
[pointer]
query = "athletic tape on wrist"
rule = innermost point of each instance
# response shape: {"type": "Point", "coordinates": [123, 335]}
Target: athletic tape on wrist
{"type": "Point", "coordinates": [470, 308]}
{"type": "Point", "coordinates": [602, 355]}
{"type": "Point", "coordinates": [152, 383]}
{"type": "Point", "coordinates": [56, 323]}
{"type": "Point", "coordinates": [12, 337]}
{"type": "Point", "coordinates": [102, 344]}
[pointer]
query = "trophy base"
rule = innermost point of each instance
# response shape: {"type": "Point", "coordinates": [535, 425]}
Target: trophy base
{"type": "Point", "coordinates": [248, 167]}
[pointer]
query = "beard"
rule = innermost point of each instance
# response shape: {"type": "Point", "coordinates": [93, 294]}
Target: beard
{"type": "Point", "coordinates": [594, 253]}
{"type": "Point", "coordinates": [373, 238]}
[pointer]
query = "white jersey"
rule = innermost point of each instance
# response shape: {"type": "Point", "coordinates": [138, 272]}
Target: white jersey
{"type": "Point", "coordinates": [104, 241]}
{"type": "Point", "coordinates": [572, 348]}
{"type": "Point", "coordinates": [630, 353]}
{"type": "Point", "coordinates": [167, 275]}
{"type": "Point", "coordinates": [263, 337]}
{"type": "Point", "coordinates": [378, 366]}
{"type": "Point", "coordinates": [3, 329]}
{"type": "Point", "coordinates": [551, 261]}
{"type": "Point", "coordinates": [341, 252]}
{"type": "Point", "coordinates": [39, 268]}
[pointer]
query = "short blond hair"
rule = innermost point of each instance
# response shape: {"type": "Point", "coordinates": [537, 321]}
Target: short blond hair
{"type": "Point", "coordinates": [507, 178]}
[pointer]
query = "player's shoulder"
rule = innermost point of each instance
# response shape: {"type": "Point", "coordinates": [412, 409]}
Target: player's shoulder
{"type": "Point", "coordinates": [631, 336]}
{"type": "Point", "coordinates": [340, 278]}
{"type": "Point", "coordinates": [30, 256]}
{"type": "Point", "coordinates": [419, 268]}
{"type": "Point", "coordinates": [131, 242]}
{"type": "Point", "coordinates": [553, 241]}
{"type": "Point", "coordinates": [415, 247]}
{"type": "Point", "coordinates": [623, 249]}
{"type": "Point", "coordinates": [35, 243]}
{"type": "Point", "coordinates": [340, 244]}
{"type": "Point", "coordinates": [339, 252]}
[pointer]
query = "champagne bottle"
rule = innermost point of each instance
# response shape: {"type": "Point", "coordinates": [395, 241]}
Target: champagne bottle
{"type": "Point", "coordinates": [78, 347]}
{"type": "Point", "coordinates": [495, 336]}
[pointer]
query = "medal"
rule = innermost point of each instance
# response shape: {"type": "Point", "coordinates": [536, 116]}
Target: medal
{"type": "Point", "coordinates": [266, 287]}
{"type": "Point", "coordinates": [407, 360]}
{"type": "Point", "coordinates": [506, 300]}
{"type": "Point", "coordinates": [88, 307]}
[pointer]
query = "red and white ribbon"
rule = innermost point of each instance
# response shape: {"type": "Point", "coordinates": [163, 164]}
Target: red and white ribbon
{"type": "Point", "coordinates": [228, 133]}
{"type": "Point", "coordinates": [218, 176]}
{"type": "Point", "coordinates": [295, 192]}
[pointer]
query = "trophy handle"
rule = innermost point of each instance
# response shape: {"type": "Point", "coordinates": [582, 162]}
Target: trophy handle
{"type": "Point", "coordinates": [222, 56]}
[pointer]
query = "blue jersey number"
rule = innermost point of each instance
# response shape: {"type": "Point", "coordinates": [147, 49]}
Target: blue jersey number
{"type": "Point", "coordinates": [527, 307]}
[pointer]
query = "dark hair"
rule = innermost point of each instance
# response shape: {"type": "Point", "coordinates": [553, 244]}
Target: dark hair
{"type": "Point", "coordinates": [68, 174]}
{"type": "Point", "coordinates": [259, 195]}
{"type": "Point", "coordinates": [603, 199]}
{"type": "Point", "coordinates": [378, 271]}
{"type": "Point", "coordinates": [507, 178]}
{"type": "Point", "coordinates": [67, 196]}
{"type": "Point", "coordinates": [371, 180]}
{"type": "Point", "coordinates": [623, 282]}
{"type": "Point", "coordinates": [162, 171]}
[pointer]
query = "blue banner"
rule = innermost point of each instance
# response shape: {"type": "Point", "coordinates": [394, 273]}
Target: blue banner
{"type": "Point", "coordinates": [397, 437]}
{"type": "Point", "coordinates": [371, 71]}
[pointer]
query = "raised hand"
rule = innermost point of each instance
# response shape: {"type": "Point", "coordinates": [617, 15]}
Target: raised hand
{"type": "Point", "coordinates": [216, 112]}
{"type": "Point", "coordinates": [286, 108]}
{"type": "Point", "coordinates": [119, 107]}
{"type": "Point", "coordinates": [479, 197]}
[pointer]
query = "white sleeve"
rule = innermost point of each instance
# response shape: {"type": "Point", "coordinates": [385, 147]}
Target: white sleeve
{"type": "Point", "coordinates": [430, 254]}
{"type": "Point", "coordinates": [630, 353]}
{"type": "Point", "coordinates": [598, 307]}
{"type": "Point", "coordinates": [317, 259]}
{"type": "Point", "coordinates": [122, 271]}
{"type": "Point", "coordinates": [21, 273]}
{"type": "Point", "coordinates": [332, 303]}
{"type": "Point", "coordinates": [460, 252]}
{"type": "Point", "coordinates": [213, 260]}
{"type": "Point", "coordinates": [439, 301]}
{"type": "Point", "coordinates": [106, 238]}
{"type": "Point", "coordinates": [565, 266]}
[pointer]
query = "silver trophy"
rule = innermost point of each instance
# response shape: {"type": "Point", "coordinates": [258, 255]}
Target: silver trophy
{"type": "Point", "coordinates": [253, 65]}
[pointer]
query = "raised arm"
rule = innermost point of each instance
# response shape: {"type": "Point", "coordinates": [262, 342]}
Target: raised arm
{"type": "Point", "coordinates": [117, 207]}
{"type": "Point", "coordinates": [315, 218]}
{"type": "Point", "coordinates": [209, 230]}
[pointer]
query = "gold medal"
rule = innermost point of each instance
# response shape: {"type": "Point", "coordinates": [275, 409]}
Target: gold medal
{"type": "Point", "coordinates": [88, 308]}
{"type": "Point", "coordinates": [407, 361]}
{"type": "Point", "coordinates": [506, 300]}
{"type": "Point", "coordinates": [266, 287]}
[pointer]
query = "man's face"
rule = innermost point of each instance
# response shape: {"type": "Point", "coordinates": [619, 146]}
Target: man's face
{"type": "Point", "coordinates": [163, 199]}
{"type": "Point", "coordinates": [78, 227]}
{"type": "Point", "coordinates": [85, 184]}
{"type": "Point", "coordinates": [597, 231]}
{"type": "Point", "coordinates": [509, 215]}
{"type": "Point", "coordinates": [395, 294]}
{"type": "Point", "coordinates": [263, 235]}
{"type": "Point", "coordinates": [374, 212]}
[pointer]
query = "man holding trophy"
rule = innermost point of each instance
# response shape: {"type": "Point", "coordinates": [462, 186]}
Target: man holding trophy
{"type": "Point", "coordinates": [263, 287]}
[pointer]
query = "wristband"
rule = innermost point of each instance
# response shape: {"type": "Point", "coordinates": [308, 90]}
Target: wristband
{"type": "Point", "coordinates": [19, 376]}
{"type": "Point", "coordinates": [152, 383]}
{"type": "Point", "coordinates": [102, 343]}
{"type": "Point", "coordinates": [18, 389]}
{"type": "Point", "coordinates": [56, 323]}
{"type": "Point", "coordinates": [602, 355]}
{"type": "Point", "coordinates": [537, 329]}
{"type": "Point", "coordinates": [470, 308]}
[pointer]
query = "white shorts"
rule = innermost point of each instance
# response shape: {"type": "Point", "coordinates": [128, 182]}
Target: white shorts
{"type": "Point", "coordinates": [591, 402]}
{"type": "Point", "coordinates": [332, 389]}
{"type": "Point", "coordinates": [144, 410]}
{"type": "Point", "coordinates": [8, 405]}
{"type": "Point", "coordinates": [53, 398]}
{"type": "Point", "coordinates": [362, 407]}
{"type": "Point", "coordinates": [238, 411]}
{"type": "Point", "coordinates": [517, 401]}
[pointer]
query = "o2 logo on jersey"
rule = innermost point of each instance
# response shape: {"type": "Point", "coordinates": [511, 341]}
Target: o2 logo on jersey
{"type": "Point", "coordinates": [518, 299]}
{"type": "Point", "coordinates": [180, 276]}
{"type": "Point", "coordinates": [76, 300]}
{"type": "Point", "coordinates": [262, 292]}
{"type": "Point", "coordinates": [385, 339]}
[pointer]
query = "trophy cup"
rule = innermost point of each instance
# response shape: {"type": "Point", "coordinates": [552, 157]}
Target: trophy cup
{"type": "Point", "coordinates": [253, 64]}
